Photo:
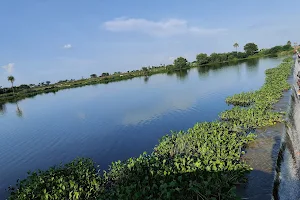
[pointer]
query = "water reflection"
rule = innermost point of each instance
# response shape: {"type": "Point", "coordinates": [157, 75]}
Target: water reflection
{"type": "Point", "coordinates": [182, 74]}
{"type": "Point", "coordinates": [2, 109]}
{"type": "Point", "coordinates": [203, 71]}
{"type": "Point", "coordinates": [170, 73]}
{"type": "Point", "coordinates": [19, 111]}
{"type": "Point", "coordinates": [170, 102]}
{"type": "Point", "coordinates": [146, 79]}
{"type": "Point", "coordinates": [252, 62]}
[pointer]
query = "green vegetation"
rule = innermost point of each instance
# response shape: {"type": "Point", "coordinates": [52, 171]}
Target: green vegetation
{"type": "Point", "coordinates": [236, 45]}
{"type": "Point", "coordinates": [180, 64]}
{"type": "Point", "coordinates": [75, 180]}
{"type": "Point", "coordinates": [250, 49]}
{"type": "Point", "coordinates": [12, 80]}
{"type": "Point", "coordinates": [203, 162]}
{"type": "Point", "coordinates": [260, 102]}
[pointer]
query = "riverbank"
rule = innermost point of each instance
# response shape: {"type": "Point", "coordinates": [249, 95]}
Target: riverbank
{"type": "Point", "coordinates": [26, 91]}
{"type": "Point", "coordinates": [287, 182]}
{"type": "Point", "coordinates": [207, 155]}
{"type": "Point", "coordinates": [262, 156]}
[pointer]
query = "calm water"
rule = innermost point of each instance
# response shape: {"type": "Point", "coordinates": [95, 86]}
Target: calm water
{"type": "Point", "coordinates": [117, 120]}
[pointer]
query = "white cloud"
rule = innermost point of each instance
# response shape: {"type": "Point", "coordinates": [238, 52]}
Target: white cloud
{"type": "Point", "coordinates": [157, 28]}
{"type": "Point", "coordinates": [9, 67]}
{"type": "Point", "coordinates": [67, 46]}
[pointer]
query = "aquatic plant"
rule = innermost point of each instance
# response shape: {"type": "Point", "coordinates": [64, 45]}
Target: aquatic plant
{"type": "Point", "coordinates": [270, 92]}
{"type": "Point", "coordinates": [259, 111]}
{"type": "Point", "coordinates": [202, 162]}
{"type": "Point", "coordinates": [76, 180]}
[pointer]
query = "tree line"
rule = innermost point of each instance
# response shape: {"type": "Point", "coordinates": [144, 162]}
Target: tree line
{"type": "Point", "coordinates": [180, 63]}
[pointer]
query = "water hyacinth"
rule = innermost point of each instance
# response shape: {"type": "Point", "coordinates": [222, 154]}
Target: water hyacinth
{"type": "Point", "coordinates": [259, 111]}
{"type": "Point", "coordinates": [270, 92]}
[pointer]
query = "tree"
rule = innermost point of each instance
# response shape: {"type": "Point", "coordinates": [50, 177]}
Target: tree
{"type": "Point", "coordinates": [250, 49]}
{"type": "Point", "coordinates": [93, 75]}
{"type": "Point", "coordinates": [236, 45]}
{"type": "Point", "coordinates": [202, 59]}
{"type": "Point", "coordinates": [180, 63]}
{"type": "Point", "coordinates": [214, 58]}
{"type": "Point", "coordinates": [48, 82]}
{"type": "Point", "coordinates": [275, 50]}
{"type": "Point", "coordinates": [241, 55]}
{"type": "Point", "coordinates": [287, 47]}
{"type": "Point", "coordinates": [145, 70]}
{"type": "Point", "coordinates": [12, 80]}
{"type": "Point", "coordinates": [24, 86]}
{"type": "Point", "coordinates": [170, 67]}
{"type": "Point", "coordinates": [105, 74]}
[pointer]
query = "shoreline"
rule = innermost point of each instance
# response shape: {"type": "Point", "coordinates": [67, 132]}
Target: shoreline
{"type": "Point", "coordinates": [53, 88]}
{"type": "Point", "coordinates": [263, 155]}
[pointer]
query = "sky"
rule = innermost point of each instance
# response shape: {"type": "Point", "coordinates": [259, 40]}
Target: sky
{"type": "Point", "coordinates": [52, 40]}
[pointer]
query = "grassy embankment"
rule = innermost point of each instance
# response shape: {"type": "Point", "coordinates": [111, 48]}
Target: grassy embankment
{"type": "Point", "coordinates": [203, 162]}
{"type": "Point", "coordinates": [24, 91]}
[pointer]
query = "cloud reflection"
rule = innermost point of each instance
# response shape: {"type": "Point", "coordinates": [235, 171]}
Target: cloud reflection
{"type": "Point", "coordinates": [171, 102]}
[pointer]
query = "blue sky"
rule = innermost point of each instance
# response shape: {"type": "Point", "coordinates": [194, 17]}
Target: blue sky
{"type": "Point", "coordinates": [62, 39]}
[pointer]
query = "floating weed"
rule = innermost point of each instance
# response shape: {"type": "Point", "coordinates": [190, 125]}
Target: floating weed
{"type": "Point", "coordinates": [259, 111]}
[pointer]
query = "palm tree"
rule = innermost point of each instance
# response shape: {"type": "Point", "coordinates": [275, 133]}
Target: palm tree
{"type": "Point", "coordinates": [19, 111]}
{"type": "Point", "coordinates": [11, 79]}
{"type": "Point", "coordinates": [146, 79]}
{"type": "Point", "coordinates": [2, 109]}
{"type": "Point", "coordinates": [236, 45]}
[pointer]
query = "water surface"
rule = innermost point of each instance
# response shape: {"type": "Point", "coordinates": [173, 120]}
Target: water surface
{"type": "Point", "coordinates": [118, 120]}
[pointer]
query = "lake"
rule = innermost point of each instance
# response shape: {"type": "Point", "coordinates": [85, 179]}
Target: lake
{"type": "Point", "coordinates": [115, 121]}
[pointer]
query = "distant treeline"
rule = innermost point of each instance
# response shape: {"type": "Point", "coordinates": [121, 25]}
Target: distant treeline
{"type": "Point", "coordinates": [251, 50]}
